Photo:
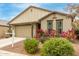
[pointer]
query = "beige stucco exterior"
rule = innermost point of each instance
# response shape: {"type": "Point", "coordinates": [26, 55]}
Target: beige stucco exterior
{"type": "Point", "coordinates": [25, 30]}
{"type": "Point", "coordinates": [3, 31]}
{"type": "Point", "coordinates": [32, 16]}
{"type": "Point", "coordinates": [66, 22]}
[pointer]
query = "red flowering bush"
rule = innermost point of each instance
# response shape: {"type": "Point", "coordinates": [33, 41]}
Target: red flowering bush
{"type": "Point", "coordinates": [50, 33]}
{"type": "Point", "coordinates": [37, 36]}
{"type": "Point", "coordinates": [64, 34]}
{"type": "Point", "coordinates": [47, 33]}
{"type": "Point", "coordinates": [39, 33]}
{"type": "Point", "coordinates": [44, 35]}
{"type": "Point", "coordinates": [70, 34]}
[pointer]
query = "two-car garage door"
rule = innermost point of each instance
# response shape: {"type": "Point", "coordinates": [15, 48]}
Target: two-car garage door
{"type": "Point", "coordinates": [23, 31]}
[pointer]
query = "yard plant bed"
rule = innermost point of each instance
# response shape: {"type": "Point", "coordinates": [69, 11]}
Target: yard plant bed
{"type": "Point", "coordinates": [19, 48]}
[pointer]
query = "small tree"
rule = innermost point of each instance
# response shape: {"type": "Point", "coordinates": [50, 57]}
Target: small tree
{"type": "Point", "coordinates": [73, 9]}
{"type": "Point", "coordinates": [76, 28]}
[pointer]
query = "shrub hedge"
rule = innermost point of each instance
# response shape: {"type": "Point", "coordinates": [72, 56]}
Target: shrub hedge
{"type": "Point", "coordinates": [31, 45]}
{"type": "Point", "coordinates": [57, 47]}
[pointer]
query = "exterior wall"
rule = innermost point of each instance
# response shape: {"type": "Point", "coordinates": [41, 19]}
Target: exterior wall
{"type": "Point", "coordinates": [66, 22]}
{"type": "Point", "coordinates": [31, 15]}
{"type": "Point", "coordinates": [44, 22]}
{"type": "Point", "coordinates": [3, 30]}
{"type": "Point", "coordinates": [66, 25]}
{"type": "Point", "coordinates": [22, 29]}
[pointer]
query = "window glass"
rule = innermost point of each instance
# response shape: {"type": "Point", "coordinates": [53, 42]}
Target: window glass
{"type": "Point", "coordinates": [49, 24]}
{"type": "Point", "coordinates": [59, 26]}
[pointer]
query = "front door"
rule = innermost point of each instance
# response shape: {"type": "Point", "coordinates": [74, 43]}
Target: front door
{"type": "Point", "coordinates": [38, 26]}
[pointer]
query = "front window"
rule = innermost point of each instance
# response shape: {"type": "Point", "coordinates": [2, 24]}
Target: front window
{"type": "Point", "coordinates": [49, 24]}
{"type": "Point", "coordinates": [59, 26]}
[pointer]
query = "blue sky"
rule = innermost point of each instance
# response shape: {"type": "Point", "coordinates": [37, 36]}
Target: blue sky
{"type": "Point", "coordinates": [9, 10]}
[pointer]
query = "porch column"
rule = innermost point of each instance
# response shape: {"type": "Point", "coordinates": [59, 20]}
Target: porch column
{"type": "Point", "coordinates": [34, 30]}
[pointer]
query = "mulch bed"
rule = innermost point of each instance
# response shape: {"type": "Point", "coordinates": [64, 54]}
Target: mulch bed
{"type": "Point", "coordinates": [19, 48]}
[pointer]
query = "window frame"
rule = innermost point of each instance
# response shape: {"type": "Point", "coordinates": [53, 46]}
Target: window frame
{"type": "Point", "coordinates": [50, 25]}
{"type": "Point", "coordinates": [60, 27]}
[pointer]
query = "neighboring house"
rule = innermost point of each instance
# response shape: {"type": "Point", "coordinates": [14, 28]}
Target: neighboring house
{"type": "Point", "coordinates": [3, 28]}
{"type": "Point", "coordinates": [26, 23]}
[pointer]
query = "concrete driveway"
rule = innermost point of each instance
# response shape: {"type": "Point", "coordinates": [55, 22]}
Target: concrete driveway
{"type": "Point", "coordinates": [8, 41]}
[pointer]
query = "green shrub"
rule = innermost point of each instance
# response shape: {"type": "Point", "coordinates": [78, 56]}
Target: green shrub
{"type": "Point", "coordinates": [57, 47]}
{"type": "Point", "coordinates": [31, 45]}
{"type": "Point", "coordinates": [43, 39]}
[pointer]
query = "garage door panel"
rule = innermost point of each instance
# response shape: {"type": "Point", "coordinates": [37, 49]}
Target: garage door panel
{"type": "Point", "coordinates": [23, 31]}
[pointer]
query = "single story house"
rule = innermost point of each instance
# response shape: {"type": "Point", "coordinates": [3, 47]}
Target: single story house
{"type": "Point", "coordinates": [3, 28]}
{"type": "Point", "coordinates": [32, 18]}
